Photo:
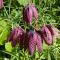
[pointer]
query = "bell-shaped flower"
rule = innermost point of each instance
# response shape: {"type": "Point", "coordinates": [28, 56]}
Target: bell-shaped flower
{"type": "Point", "coordinates": [47, 35]}
{"type": "Point", "coordinates": [16, 36]}
{"type": "Point", "coordinates": [34, 39]}
{"type": "Point", "coordinates": [28, 12]}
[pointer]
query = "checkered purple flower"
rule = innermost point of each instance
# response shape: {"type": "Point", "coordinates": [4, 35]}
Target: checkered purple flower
{"type": "Point", "coordinates": [34, 39]}
{"type": "Point", "coordinates": [16, 36]}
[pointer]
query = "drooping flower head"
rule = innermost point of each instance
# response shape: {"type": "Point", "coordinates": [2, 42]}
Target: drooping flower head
{"type": "Point", "coordinates": [34, 39]}
{"type": "Point", "coordinates": [16, 35]}
{"type": "Point", "coordinates": [28, 12]}
{"type": "Point", "coordinates": [47, 35]}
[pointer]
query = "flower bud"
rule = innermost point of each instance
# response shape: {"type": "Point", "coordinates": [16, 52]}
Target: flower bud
{"type": "Point", "coordinates": [16, 35]}
{"type": "Point", "coordinates": [28, 12]}
{"type": "Point", "coordinates": [47, 35]}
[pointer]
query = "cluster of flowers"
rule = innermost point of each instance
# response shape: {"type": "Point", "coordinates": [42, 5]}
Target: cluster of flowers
{"type": "Point", "coordinates": [31, 39]}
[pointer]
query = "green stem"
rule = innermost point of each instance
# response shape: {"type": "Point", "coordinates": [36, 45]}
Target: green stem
{"type": "Point", "coordinates": [43, 19]}
{"type": "Point", "coordinates": [9, 6]}
{"type": "Point", "coordinates": [32, 1]}
{"type": "Point", "coordinates": [9, 53]}
{"type": "Point", "coordinates": [6, 12]}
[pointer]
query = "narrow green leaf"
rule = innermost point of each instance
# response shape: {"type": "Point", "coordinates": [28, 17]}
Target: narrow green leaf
{"type": "Point", "coordinates": [23, 2]}
{"type": "Point", "coordinates": [49, 57]}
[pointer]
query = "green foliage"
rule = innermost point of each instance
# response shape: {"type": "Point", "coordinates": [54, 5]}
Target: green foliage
{"type": "Point", "coordinates": [8, 47]}
{"type": "Point", "coordinates": [5, 30]}
{"type": "Point", "coordinates": [23, 2]}
{"type": "Point", "coordinates": [49, 13]}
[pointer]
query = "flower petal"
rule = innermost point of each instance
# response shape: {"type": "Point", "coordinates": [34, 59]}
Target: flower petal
{"type": "Point", "coordinates": [32, 41]}
{"type": "Point", "coordinates": [27, 14]}
{"type": "Point", "coordinates": [39, 43]}
{"type": "Point", "coordinates": [35, 12]}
